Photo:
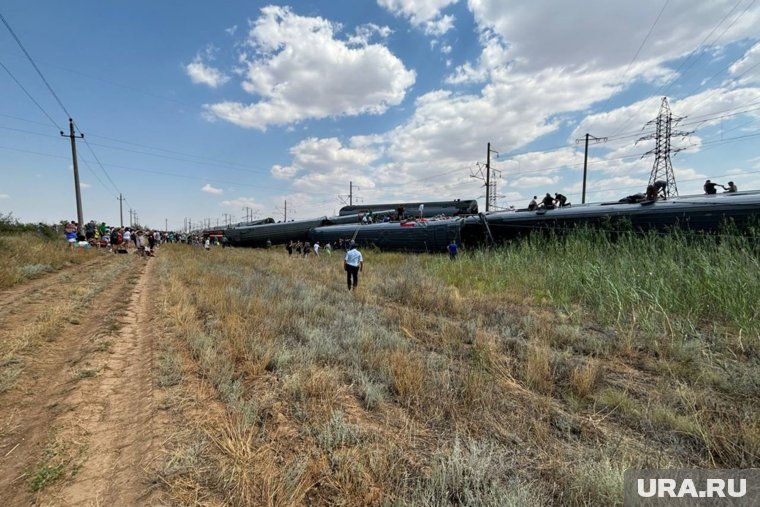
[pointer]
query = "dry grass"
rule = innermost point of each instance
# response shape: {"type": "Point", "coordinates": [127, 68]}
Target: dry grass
{"type": "Point", "coordinates": [30, 255]}
{"type": "Point", "coordinates": [413, 392]}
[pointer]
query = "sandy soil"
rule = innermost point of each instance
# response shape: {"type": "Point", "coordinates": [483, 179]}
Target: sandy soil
{"type": "Point", "coordinates": [80, 423]}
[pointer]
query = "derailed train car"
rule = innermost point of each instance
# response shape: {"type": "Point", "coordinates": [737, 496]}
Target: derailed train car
{"type": "Point", "coordinates": [422, 236]}
{"type": "Point", "coordinates": [279, 233]}
{"type": "Point", "coordinates": [695, 212]}
{"type": "Point", "coordinates": [701, 212]}
{"type": "Point", "coordinates": [257, 234]}
{"type": "Point", "coordinates": [453, 208]}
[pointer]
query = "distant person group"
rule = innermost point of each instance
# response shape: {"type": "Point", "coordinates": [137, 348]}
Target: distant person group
{"type": "Point", "coordinates": [548, 202]}
{"type": "Point", "coordinates": [306, 249]}
{"type": "Point", "coordinates": [353, 262]}
{"type": "Point", "coordinates": [117, 239]}
{"type": "Point", "coordinates": [711, 187]}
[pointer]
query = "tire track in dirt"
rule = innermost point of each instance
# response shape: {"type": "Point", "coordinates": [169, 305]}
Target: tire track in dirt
{"type": "Point", "coordinates": [42, 286]}
{"type": "Point", "coordinates": [86, 389]}
{"type": "Point", "coordinates": [114, 414]}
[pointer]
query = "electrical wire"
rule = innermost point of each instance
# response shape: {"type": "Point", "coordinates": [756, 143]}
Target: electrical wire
{"type": "Point", "coordinates": [641, 46]}
{"type": "Point", "coordinates": [31, 60]}
{"type": "Point", "coordinates": [677, 76]}
{"type": "Point", "coordinates": [39, 106]}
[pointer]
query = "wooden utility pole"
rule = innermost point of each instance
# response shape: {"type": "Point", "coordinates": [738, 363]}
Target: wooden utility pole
{"type": "Point", "coordinates": [73, 137]}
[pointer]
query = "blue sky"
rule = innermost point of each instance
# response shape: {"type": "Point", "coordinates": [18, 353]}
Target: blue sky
{"type": "Point", "coordinates": [193, 110]}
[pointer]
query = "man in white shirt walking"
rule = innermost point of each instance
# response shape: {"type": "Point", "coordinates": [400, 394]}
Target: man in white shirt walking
{"type": "Point", "coordinates": [353, 263]}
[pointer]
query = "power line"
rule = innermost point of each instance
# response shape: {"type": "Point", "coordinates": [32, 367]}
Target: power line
{"type": "Point", "coordinates": [30, 96]}
{"type": "Point", "coordinates": [641, 46]}
{"type": "Point", "coordinates": [676, 76]}
{"type": "Point", "coordinates": [31, 60]}
{"type": "Point", "coordinates": [163, 173]}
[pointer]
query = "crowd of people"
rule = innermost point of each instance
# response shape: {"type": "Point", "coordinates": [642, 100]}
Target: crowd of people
{"type": "Point", "coordinates": [142, 241]}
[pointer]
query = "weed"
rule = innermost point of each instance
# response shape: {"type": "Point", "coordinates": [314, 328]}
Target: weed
{"type": "Point", "coordinates": [57, 456]}
{"type": "Point", "coordinates": [86, 373]}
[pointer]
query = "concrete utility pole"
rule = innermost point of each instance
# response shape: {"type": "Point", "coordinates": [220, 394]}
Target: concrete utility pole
{"type": "Point", "coordinates": [121, 210]}
{"type": "Point", "coordinates": [488, 176]}
{"type": "Point", "coordinates": [73, 137]}
{"type": "Point", "coordinates": [166, 225]}
{"type": "Point", "coordinates": [350, 193]}
{"type": "Point", "coordinates": [285, 216]}
{"type": "Point", "coordinates": [585, 160]}
{"type": "Point", "coordinates": [130, 217]}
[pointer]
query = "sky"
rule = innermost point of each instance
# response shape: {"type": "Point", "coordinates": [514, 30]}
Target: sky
{"type": "Point", "coordinates": [196, 110]}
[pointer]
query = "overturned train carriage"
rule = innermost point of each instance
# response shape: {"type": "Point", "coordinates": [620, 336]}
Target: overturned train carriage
{"type": "Point", "coordinates": [257, 234]}
{"type": "Point", "coordinates": [280, 233]}
{"type": "Point", "coordinates": [696, 212]}
{"type": "Point", "coordinates": [430, 209]}
{"type": "Point", "coordinates": [431, 236]}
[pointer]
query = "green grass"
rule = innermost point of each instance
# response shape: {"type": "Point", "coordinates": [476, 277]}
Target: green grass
{"type": "Point", "coordinates": [664, 285]}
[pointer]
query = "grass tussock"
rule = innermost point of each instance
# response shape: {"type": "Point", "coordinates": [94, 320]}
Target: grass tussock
{"type": "Point", "coordinates": [29, 255]}
{"type": "Point", "coordinates": [523, 376]}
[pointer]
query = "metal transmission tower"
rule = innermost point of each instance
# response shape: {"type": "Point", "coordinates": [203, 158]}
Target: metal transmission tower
{"type": "Point", "coordinates": [662, 169]}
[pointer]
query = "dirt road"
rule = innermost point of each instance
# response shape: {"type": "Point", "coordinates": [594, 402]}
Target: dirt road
{"type": "Point", "coordinates": [77, 414]}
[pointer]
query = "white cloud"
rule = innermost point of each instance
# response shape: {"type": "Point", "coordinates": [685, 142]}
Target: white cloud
{"type": "Point", "coordinates": [231, 30]}
{"type": "Point", "coordinates": [242, 202]}
{"type": "Point", "coordinates": [211, 190]}
{"type": "Point", "coordinates": [570, 37]}
{"type": "Point", "coordinates": [200, 72]}
{"type": "Point", "coordinates": [280, 172]}
{"type": "Point", "coordinates": [300, 70]}
{"type": "Point", "coordinates": [4, 196]}
{"type": "Point", "coordinates": [365, 33]}
{"type": "Point", "coordinates": [85, 185]}
{"type": "Point", "coordinates": [418, 11]}
{"type": "Point", "coordinates": [326, 164]}
{"type": "Point", "coordinates": [534, 181]}
{"type": "Point", "coordinates": [747, 69]}
{"type": "Point", "coordinates": [439, 26]}
{"type": "Point", "coordinates": [702, 110]}
{"type": "Point", "coordinates": [536, 82]}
